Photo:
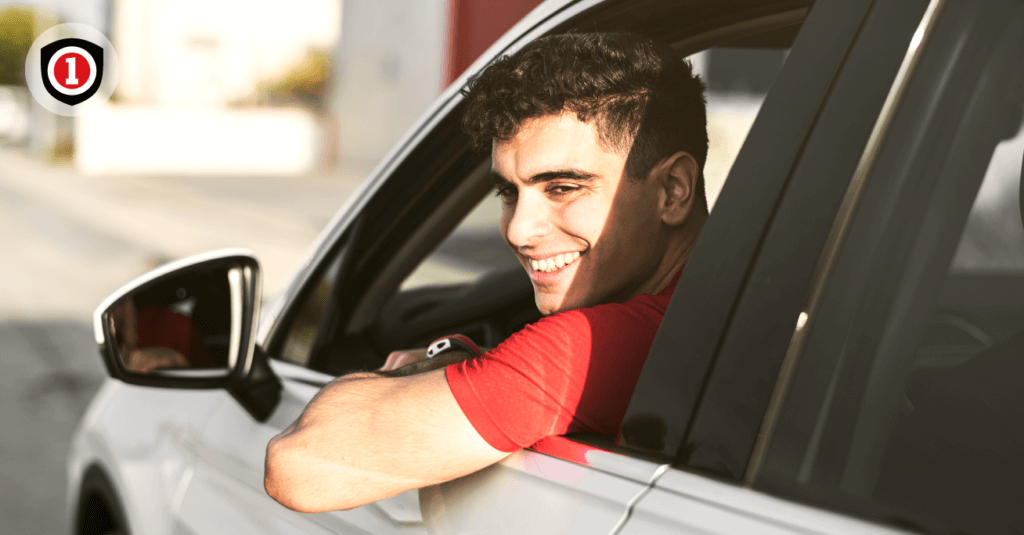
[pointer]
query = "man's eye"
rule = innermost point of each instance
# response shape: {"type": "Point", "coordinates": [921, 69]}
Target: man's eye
{"type": "Point", "coordinates": [505, 192]}
{"type": "Point", "coordinates": [562, 189]}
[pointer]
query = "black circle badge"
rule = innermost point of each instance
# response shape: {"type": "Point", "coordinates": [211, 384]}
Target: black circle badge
{"type": "Point", "coordinates": [71, 69]}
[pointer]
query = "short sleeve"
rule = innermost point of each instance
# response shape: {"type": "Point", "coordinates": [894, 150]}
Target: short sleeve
{"type": "Point", "coordinates": [570, 372]}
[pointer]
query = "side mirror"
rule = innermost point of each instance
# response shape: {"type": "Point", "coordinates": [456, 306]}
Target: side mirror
{"type": "Point", "coordinates": [188, 324]}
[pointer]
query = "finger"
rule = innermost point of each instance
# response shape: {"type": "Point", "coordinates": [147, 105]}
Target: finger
{"type": "Point", "coordinates": [392, 361]}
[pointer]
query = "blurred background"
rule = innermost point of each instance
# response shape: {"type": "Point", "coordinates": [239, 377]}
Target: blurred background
{"type": "Point", "coordinates": [235, 123]}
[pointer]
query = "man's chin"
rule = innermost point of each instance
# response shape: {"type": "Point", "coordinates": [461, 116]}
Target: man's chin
{"type": "Point", "coordinates": [545, 307]}
{"type": "Point", "coordinates": [548, 306]}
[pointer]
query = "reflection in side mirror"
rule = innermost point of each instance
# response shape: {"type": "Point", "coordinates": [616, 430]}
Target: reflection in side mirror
{"type": "Point", "coordinates": [180, 323]}
{"type": "Point", "coordinates": [188, 324]}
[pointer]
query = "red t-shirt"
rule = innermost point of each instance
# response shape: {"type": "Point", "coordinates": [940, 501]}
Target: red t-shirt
{"type": "Point", "coordinates": [570, 372]}
{"type": "Point", "coordinates": [158, 326]}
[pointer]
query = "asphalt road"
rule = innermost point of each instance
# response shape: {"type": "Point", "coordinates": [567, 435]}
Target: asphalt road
{"type": "Point", "coordinates": [48, 374]}
{"type": "Point", "coordinates": [66, 241]}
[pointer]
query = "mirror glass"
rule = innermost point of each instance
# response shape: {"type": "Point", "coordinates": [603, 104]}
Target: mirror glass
{"type": "Point", "coordinates": [178, 323]}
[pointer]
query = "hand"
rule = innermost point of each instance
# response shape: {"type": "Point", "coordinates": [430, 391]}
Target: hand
{"type": "Point", "coordinates": [155, 358]}
{"type": "Point", "coordinates": [402, 357]}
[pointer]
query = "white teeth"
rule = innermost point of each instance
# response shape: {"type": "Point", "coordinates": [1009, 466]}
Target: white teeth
{"type": "Point", "coordinates": [555, 262]}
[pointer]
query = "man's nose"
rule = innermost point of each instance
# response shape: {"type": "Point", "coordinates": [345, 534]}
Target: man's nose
{"type": "Point", "coordinates": [530, 221]}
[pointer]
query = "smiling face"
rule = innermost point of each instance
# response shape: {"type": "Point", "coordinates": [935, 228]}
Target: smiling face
{"type": "Point", "coordinates": [584, 231]}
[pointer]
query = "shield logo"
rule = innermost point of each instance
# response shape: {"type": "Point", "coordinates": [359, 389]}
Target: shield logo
{"type": "Point", "coordinates": [72, 69]}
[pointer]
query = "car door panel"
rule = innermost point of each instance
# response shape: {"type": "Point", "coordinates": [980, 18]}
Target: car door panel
{"type": "Point", "coordinates": [153, 458]}
{"type": "Point", "coordinates": [540, 493]}
{"type": "Point", "coordinates": [227, 486]}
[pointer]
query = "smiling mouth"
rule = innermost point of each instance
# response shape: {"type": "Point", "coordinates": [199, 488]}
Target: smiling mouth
{"type": "Point", "coordinates": [554, 263]}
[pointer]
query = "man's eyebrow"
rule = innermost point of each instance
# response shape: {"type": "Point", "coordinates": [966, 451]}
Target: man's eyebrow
{"type": "Point", "coordinates": [547, 176]}
{"type": "Point", "coordinates": [570, 174]}
{"type": "Point", "coordinates": [499, 180]}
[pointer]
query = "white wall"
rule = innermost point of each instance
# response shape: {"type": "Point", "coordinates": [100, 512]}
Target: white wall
{"type": "Point", "coordinates": [165, 140]}
{"type": "Point", "coordinates": [389, 71]}
{"type": "Point", "coordinates": [212, 52]}
{"type": "Point", "coordinates": [183, 63]}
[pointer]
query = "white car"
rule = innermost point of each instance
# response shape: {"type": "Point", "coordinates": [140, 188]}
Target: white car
{"type": "Point", "coordinates": [842, 354]}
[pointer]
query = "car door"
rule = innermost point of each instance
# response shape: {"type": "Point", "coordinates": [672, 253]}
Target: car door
{"type": "Point", "coordinates": [884, 394]}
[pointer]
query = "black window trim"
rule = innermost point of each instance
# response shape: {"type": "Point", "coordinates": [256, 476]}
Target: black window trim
{"type": "Point", "coordinates": [837, 234]}
{"type": "Point", "coordinates": [419, 243]}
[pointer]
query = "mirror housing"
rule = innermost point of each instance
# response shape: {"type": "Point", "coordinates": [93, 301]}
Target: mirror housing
{"type": "Point", "coordinates": [190, 323]}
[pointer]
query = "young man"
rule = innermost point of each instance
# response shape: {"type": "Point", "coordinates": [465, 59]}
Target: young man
{"type": "Point", "coordinates": [597, 143]}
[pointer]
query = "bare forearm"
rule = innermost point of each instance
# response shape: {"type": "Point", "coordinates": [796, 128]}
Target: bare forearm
{"type": "Point", "coordinates": [300, 466]}
{"type": "Point", "coordinates": [365, 437]}
{"type": "Point", "coordinates": [295, 425]}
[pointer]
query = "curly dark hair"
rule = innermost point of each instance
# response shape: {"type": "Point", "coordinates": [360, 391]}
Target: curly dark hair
{"type": "Point", "coordinates": [642, 97]}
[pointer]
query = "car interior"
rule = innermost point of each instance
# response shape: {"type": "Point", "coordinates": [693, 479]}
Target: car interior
{"type": "Point", "coordinates": [471, 283]}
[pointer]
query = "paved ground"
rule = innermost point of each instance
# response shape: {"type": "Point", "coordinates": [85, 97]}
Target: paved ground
{"type": "Point", "coordinates": [66, 241]}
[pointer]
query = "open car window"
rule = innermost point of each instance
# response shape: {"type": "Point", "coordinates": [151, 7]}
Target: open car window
{"type": "Point", "coordinates": [429, 260]}
{"type": "Point", "coordinates": [473, 249]}
{"type": "Point", "coordinates": [473, 264]}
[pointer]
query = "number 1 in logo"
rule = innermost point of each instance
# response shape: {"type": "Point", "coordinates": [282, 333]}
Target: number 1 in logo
{"type": "Point", "coordinates": [71, 80]}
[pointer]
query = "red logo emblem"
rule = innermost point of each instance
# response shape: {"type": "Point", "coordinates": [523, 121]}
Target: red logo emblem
{"type": "Point", "coordinates": [72, 69]}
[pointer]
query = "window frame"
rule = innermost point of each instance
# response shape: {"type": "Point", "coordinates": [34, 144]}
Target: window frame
{"type": "Point", "coordinates": [592, 15]}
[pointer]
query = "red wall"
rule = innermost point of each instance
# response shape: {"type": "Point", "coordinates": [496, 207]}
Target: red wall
{"type": "Point", "coordinates": [473, 26]}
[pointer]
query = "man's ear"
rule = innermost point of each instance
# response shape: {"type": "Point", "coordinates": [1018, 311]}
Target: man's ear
{"type": "Point", "coordinates": [677, 182]}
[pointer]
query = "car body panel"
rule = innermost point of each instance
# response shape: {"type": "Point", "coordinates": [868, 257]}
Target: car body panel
{"type": "Point", "coordinates": [144, 440]}
{"type": "Point", "coordinates": [227, 488]}
{"type": "Point", "coordinates": [686, 503]}
{"type": "Point", "coordinates": [584, 489]}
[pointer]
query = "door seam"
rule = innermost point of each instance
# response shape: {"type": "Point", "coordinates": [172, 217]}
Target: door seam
{"type": "Point", "coordinates": [635, 499]}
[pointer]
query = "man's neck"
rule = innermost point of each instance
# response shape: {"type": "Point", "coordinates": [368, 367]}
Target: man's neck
{"type": "Point", "coordinates": [677, 253]}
